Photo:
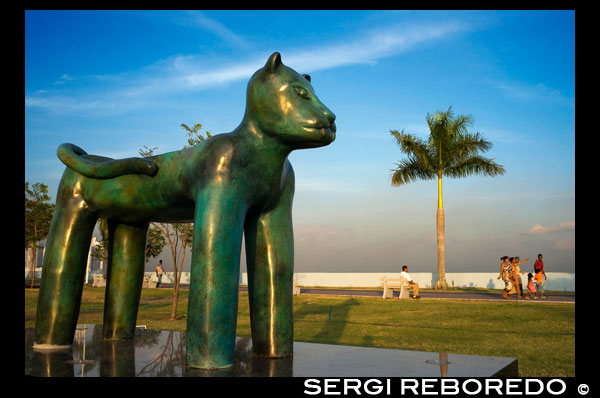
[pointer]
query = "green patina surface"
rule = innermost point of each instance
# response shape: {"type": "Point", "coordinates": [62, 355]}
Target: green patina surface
{"type": "Point", "coordinates": [233, 183]}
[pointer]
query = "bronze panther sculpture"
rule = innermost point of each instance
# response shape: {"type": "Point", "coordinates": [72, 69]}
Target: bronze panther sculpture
{"type": "Point", "coordinates": [233, 183]}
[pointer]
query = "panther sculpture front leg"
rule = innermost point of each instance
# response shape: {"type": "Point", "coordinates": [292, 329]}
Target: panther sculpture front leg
{"type": "Point", "coordinates": [214, 279]}
{"type": "Point", "coordinates": [270, 262]}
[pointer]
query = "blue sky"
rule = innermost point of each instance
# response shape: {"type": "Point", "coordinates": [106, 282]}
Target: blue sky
{"type": "Point", "coordinates": [113, 82]}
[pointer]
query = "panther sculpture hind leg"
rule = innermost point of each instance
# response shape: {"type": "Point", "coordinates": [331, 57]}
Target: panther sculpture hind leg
{"type": "Point", "coordinates": [124, 279]}
{"type": "Point", "coordinates": [64, 266]}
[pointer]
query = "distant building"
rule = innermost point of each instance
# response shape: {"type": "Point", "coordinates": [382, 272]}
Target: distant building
{"type": "Point", "coordinates": [95, 266]}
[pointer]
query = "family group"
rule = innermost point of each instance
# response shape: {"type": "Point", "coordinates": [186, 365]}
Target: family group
{"type": "Point", "coordinates": [510, 272]}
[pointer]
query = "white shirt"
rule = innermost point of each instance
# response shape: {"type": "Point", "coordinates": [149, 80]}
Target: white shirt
{"type": "Point", "coordinates": [405, 275]}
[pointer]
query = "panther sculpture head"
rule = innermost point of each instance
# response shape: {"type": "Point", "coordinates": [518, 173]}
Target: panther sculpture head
{"type": "Point", "coordinates": [284, 105]}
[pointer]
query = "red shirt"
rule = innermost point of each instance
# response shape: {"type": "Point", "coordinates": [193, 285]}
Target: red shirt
{"type": "Point", "coordinates": [539, 266]}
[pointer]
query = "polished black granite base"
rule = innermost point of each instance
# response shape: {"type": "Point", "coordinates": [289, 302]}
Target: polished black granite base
{"type": "Point", "coordinates": [162, 353]}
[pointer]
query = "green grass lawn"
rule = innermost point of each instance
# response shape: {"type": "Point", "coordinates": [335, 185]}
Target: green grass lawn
{"type": "Point", "coordinates": [541, 337]}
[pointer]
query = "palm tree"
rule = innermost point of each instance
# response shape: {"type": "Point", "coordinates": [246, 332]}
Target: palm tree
{"type": "Point", "coordinates": [450, 151]}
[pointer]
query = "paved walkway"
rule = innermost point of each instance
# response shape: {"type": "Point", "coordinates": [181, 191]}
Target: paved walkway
{"type": "Point", "coordinates": [434, 295]}
{"type": "Point", "coordinates": [429, 295]}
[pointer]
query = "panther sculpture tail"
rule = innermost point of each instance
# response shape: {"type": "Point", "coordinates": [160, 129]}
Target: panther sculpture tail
{"type": "Point", "coordinates": [101, 167]}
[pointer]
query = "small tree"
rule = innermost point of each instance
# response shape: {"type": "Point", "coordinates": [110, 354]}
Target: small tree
{"type": "Point", "coordinates": [193, 134]}
{"type": "Point", "coordinates": [176, 235]}
{"type": "Point", "coordinates": [38, 216]}
{"type": "Point", "coordinates": [155, 242]}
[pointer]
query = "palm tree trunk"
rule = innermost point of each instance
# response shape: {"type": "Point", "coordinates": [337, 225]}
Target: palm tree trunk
{"type": "Point", "coordinates": [441, 275]}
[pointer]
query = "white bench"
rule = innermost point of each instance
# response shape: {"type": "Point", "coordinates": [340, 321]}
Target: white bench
{"type": "Point", "coordinates": [99, 281]}
{"type": "Point", "coordinates": [297, 288]}
{"type": "Point", "coordinates": [389, 284]}
{"type": "Point", "coordinates": [148, 282]}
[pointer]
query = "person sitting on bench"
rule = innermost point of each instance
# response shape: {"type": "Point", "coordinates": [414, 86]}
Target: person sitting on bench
{"type": "Point", "coordinates": [414, 285]}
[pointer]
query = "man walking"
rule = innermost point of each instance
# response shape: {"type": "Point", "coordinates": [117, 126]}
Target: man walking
{"type": "Point", "coordinates": [414, 285]}
{"type": "Point", "coordinates": [160, 271]}
{"type": "Point", "coordinates": [541, 278]}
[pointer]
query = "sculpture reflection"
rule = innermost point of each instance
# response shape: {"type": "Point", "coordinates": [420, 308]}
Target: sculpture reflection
{"type": "Point", "coordinates": [233, 183]}
{"type": "Point", "coordinates": [171, 359]}
{"type": "Point", "coordinates": [162, 353]}
{"type": "Point", "coordinates": [118, 358]}
{"type": "Point", "coordinates": [50, 363]}
{"type": "Point", "coordinates": [152, 353]}
{"type": "Point", "coordinates": [444, 364]}
{"type": "Point", "coordinates": [247, 363]}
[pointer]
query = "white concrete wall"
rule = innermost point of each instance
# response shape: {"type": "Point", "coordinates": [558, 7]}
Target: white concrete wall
{"type": "Point", "coordinates": [356, 279]}
{"type": "Point", "coordinates": [38, 272]}
{"type": "Point", "coordinates": [563, 281]}
{"type": "Point", "coordinates": [169, 277]}
{"type": "Point", "coordinates": [556, 280]}
{"type": "Point", "coordinates": [333, 279]}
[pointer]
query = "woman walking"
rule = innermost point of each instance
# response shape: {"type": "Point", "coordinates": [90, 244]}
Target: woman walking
{"type": "Point", "coordinates": [505, 273]}
{"type": "Point", "coordinates": [517, 275]}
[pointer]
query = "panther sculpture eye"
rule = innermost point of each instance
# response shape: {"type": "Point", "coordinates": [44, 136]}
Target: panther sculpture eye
{"type": "Point", "coordinates": [302, 92]}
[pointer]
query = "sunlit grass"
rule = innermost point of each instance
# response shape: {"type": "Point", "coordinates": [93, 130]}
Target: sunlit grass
{"type": "Point", "coordinates": [541, 337]}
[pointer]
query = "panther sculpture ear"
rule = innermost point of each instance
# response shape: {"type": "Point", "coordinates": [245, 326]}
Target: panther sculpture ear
{"type": "Point", "coordinates": [307, 77]}
{"type": "Point", "coordinates": [273, 62]}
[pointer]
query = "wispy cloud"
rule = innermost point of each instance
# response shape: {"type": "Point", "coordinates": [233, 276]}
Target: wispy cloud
{"type": "Point", "coordinates": [367, 49]}
{"type": "Point", "coordinates": [501, 135]}
{"type": "Point", "coordinates": [63, 79]}
{"type": "Point", "coordinates": [532, 92]}
{"type": "Point", "coordinates": [539, 229]}
{"type": "Point", "coordinates": [58, 103]}
{"type": "Point", "coordinates": [191, 72]}
{"type": "Point", "coordinates": [201, 20]}
{"type": "Point", "coordinates": [371, 46]}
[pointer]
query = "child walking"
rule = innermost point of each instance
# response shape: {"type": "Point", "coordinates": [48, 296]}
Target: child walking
{"type": "Point", "coordinates": [530, 287]}
{"type": "Point", "coordinates": [538, 284]}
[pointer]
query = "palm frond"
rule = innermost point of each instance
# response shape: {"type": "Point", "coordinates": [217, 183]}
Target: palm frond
{"type": "Point", "coordinates": [469, 144]}
{"type": "Point", "coordinates": [474, 165]}
{"type": "Point", "coordinates": [460, 124]}
{"type": "Point", "coordinates": [413, 146]}
{"type": "Point", "coordinates": [409, 170]}
{"type": "Point", "coordinates": [439, 127]}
